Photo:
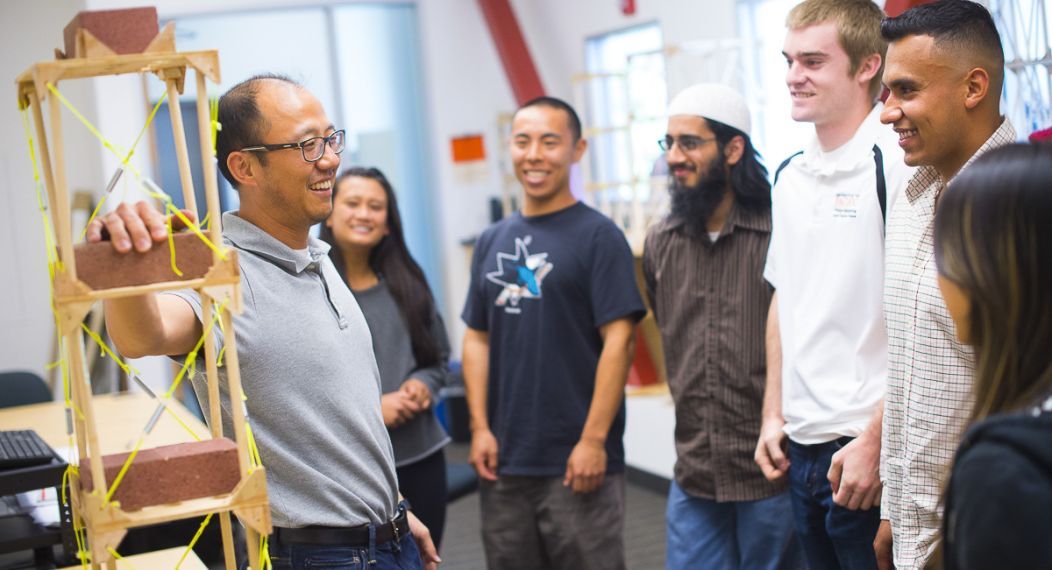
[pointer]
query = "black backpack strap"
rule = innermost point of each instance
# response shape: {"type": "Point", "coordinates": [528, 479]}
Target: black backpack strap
{"type": "Point", "coordinates": [783, 165]}
{"type": "Point", "coordinates": [882, 185]}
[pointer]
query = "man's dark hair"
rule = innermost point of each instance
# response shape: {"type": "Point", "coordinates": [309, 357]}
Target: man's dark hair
{"type": "Point", "coordinates": [958, 26]}
{"type": "Point", "coordinates": [553, 103]}
{"type": "Point", "coordinates": [748, 178]}
{"type": "Point", "coordinates": [241, 123]}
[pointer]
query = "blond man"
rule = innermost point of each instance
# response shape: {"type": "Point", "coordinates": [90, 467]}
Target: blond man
{"type": "Point", "coordinates": [827, 345]}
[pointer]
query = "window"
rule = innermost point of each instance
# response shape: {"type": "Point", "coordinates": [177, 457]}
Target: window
{"type": "Point", "coordinates": [622, 100]}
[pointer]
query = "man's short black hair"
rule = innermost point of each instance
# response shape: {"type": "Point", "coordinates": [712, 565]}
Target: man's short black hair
{"type": "Point", "coordinates": [241, 123]}
{"type": "Point", "coordinates": [554, 103]}
{"type": "Point", "coordinates": [961, 25]}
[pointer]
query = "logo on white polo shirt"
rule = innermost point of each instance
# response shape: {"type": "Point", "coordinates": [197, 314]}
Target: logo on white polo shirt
{"type": "Point", "coordinates": [520, 274]}
{"type": "Point", "coordinates": [845, 205]}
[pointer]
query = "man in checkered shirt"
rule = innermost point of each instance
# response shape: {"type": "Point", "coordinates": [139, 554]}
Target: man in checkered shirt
{"type": "Point", "coordinates": [945, 67]}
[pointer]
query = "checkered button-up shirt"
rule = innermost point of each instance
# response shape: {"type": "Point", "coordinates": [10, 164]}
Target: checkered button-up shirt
{"type": "Point", "coordinates": [929, 371]}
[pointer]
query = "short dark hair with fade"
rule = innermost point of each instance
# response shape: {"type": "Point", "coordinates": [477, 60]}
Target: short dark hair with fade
{"type": "Point", "coordinates": [554, 103]}
{"type": "Point", "coordinates": [241, 123]}
{"type": "Point", "coordinates": [960, 25]}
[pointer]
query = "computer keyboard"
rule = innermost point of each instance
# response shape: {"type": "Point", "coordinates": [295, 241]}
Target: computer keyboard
{"type": "Point", "coordinates": [23, 448]}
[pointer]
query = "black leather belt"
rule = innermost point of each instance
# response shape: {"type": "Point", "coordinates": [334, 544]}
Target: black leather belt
{"type": "Point", "coordinates": [357, 537]}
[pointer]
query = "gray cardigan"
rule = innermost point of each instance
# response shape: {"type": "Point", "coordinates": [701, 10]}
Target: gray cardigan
{"type": "Point", "coordinates": [423, 435]}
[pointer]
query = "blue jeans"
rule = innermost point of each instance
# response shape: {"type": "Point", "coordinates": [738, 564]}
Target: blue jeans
{"type": "Point", "coordinates": [402, 555]}
{"type": "Point", "coordinates": [833, 537]}
{"type": "Point", "coordinates": [727, 536]}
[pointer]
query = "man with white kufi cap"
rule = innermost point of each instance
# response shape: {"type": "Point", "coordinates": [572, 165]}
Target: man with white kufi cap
{"type": "Point", "coordinates": [703, 268]}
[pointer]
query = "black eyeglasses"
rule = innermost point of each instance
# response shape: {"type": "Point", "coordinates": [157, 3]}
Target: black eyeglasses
{"type": "Point", "coordinates": [312, 149]}
{"type": "Point", "coordinates": [686, 143]}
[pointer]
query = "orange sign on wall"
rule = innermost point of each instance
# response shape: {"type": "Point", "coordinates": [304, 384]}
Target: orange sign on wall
{"type": "Point", "coordinates": [468, 148]}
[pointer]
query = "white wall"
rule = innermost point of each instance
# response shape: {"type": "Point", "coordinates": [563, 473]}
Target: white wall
{"type": "Point", "coordinates": [556, 30]}
{"type": "Point", "coordinates": [29, 33]}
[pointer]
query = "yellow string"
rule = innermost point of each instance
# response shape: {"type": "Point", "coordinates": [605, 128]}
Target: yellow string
{"type": "Point", "coordinates": [116, 556]}
{"type": "Point", "coordinates": [171, 246]}
{"type": "Point", "coordinates": [264, 553]}
{"type": "Point", "coordinates": [253, 451]}
{"type": "Point", "coordinates": [124, 469]}
{"type": "Point", "coordinates": [94, 213]}
{"type": "Point", "coordinates": [127, 368]}
{"type": "Point", "coordinates": [214, 116]}
{"type": "Point", "coordinates": [193, 541]}
{"type": "Point", "coordinates": [192, 356]}
{"type": "Point", "coordinates": [91, 128]}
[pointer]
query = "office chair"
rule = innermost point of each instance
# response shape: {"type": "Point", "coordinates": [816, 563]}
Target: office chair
{"type": "Point", "coordinates": [19, 387]}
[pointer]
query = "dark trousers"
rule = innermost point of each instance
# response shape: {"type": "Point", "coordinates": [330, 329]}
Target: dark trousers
{"type": "Point", "coordinates": [423, 484]}
{"type": "Point", "coordinates": [833, 537]}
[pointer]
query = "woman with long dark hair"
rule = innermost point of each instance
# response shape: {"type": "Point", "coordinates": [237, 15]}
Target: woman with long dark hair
{"type": "Point", "coordinates": [409, 338]}
{"type": "Point", "coordinates": [993, 250]}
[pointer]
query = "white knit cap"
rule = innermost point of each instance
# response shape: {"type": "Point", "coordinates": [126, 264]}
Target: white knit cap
{"type": "Point", "coordinates": [715, 102]}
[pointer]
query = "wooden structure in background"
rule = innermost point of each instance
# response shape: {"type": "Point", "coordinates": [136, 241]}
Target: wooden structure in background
{"type": "Point", "coordinates": [215, 277]}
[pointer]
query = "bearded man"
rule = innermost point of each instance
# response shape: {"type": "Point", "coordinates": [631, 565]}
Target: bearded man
{"type": "Point", "coordinates": [703, 267]}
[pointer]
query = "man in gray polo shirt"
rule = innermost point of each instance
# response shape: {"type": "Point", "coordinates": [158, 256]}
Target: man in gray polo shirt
{"type": "Point", "coordinates": [305, 352]}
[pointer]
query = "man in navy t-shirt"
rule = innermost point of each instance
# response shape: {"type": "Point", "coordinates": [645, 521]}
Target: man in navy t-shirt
{"type": "Point", "coordinates": [551, 313]}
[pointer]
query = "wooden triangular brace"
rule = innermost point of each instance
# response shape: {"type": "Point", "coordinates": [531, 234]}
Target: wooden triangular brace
{"type": "Point", "coordinates": [229, 289]}
{"type": "Point", "coordinates": [71, 313]}
{"type": "Point", "coordinates": [90, 46]}
{"type": "Point", "coordinates": [164, 41]}
{"type": "Point", "coordinates": [102, 542]}
{"type": "Point", "coordinates": [206, 62]}
{"type": "Point", "coordinates": [253, 509]}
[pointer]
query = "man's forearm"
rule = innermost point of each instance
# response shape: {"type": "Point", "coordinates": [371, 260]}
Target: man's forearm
{"type": "Point", "coordinates": [772, 396]}
{"type": "Point", "coordinates": [152, 325]}
{"type": "Point", "coordinates": [476, 373]}
{"type": "Point", "coordinates": [610, 376]}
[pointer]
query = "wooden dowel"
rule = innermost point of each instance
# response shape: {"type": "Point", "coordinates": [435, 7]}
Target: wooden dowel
{"type": "Point", "coordinates": [208, 169]}
{"type": "Point", "coordinates": [60, 206]}
{"type": "Point", "coordinates": [181, 153]}
{"type": "Point", "coordinates": [215, 418]}
{"type": "Point", "coordinates": [228, 540]}
{"type": "Point", "coordinates": [233, 382]}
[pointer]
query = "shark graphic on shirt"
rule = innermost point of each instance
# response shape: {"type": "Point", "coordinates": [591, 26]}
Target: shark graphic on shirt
{"type": "Point", "coordinates": [520, 274]}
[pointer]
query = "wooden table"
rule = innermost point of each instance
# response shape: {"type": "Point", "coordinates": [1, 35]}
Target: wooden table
{"type": "Point", "coordinates": [167, 558]}
{"type": "Point", "coordinates": [119, 418]}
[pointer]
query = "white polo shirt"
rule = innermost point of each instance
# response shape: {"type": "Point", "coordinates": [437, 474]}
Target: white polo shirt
{"type": "Point", "coordinates": [826, 263]}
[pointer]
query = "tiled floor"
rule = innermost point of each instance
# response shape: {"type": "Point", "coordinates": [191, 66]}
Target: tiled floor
{"type": "Point", "coordinates": [644, 527]}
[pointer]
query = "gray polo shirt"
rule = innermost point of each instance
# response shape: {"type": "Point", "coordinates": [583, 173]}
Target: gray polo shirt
{"type": "Point", "coordinates": [308, 370]}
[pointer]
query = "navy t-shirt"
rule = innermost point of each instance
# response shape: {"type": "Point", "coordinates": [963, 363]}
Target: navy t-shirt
{"type": "Point", "coordinates": [541, 287]}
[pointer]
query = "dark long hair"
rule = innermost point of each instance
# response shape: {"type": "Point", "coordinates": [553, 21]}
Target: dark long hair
{"type": "Point", "coordinates": [752, 189]}
{"type": "Point", "coordinates": [403, 276]}
{"type": "Point", "coordinates": [993, 239]}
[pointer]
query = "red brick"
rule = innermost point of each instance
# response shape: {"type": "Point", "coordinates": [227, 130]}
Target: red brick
{"type": "Point", "coordinates": [99, 266]}
{"type": "Point", "coordinates": [171, 473]}
{"type": "Point", "coordinates": [123, 31]}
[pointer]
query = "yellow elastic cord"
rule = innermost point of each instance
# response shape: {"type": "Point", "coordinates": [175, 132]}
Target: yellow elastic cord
{"type": "Point", "coordinates": [192, 355]}
{"type": "Point", "coordinates": [49, 236]}
{"type": "Point", "coordinates": [264, 553]}
{"type": "Point", "coordinates": [196, 229]}
{"type": "Point", "coordinates": [91, 128]}
{"type": "Point", "coordinates": [214, 115]}
{"type": "Point", "coordinates": [124, 468]}
{"type": "Point", "coordinates": [94, 213]}
{"type": "Point", "coordinates": [128, 369]}
{"type": "Point", "coordinates": [253, 451]}
{"type": "Point", "coordinates": [193, 541]}
{"type": "Point", "coordinates": [171, 246]}
{"type": "Point", "coordinates": [116, 556]}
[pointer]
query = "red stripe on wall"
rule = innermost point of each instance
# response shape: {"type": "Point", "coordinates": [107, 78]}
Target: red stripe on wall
{"type": "Point", "coordinates": [514, 55]}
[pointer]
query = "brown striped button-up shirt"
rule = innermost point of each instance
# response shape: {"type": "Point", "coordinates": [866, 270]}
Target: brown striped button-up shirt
{"type": "Point", "coordinates": [710, 301]}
